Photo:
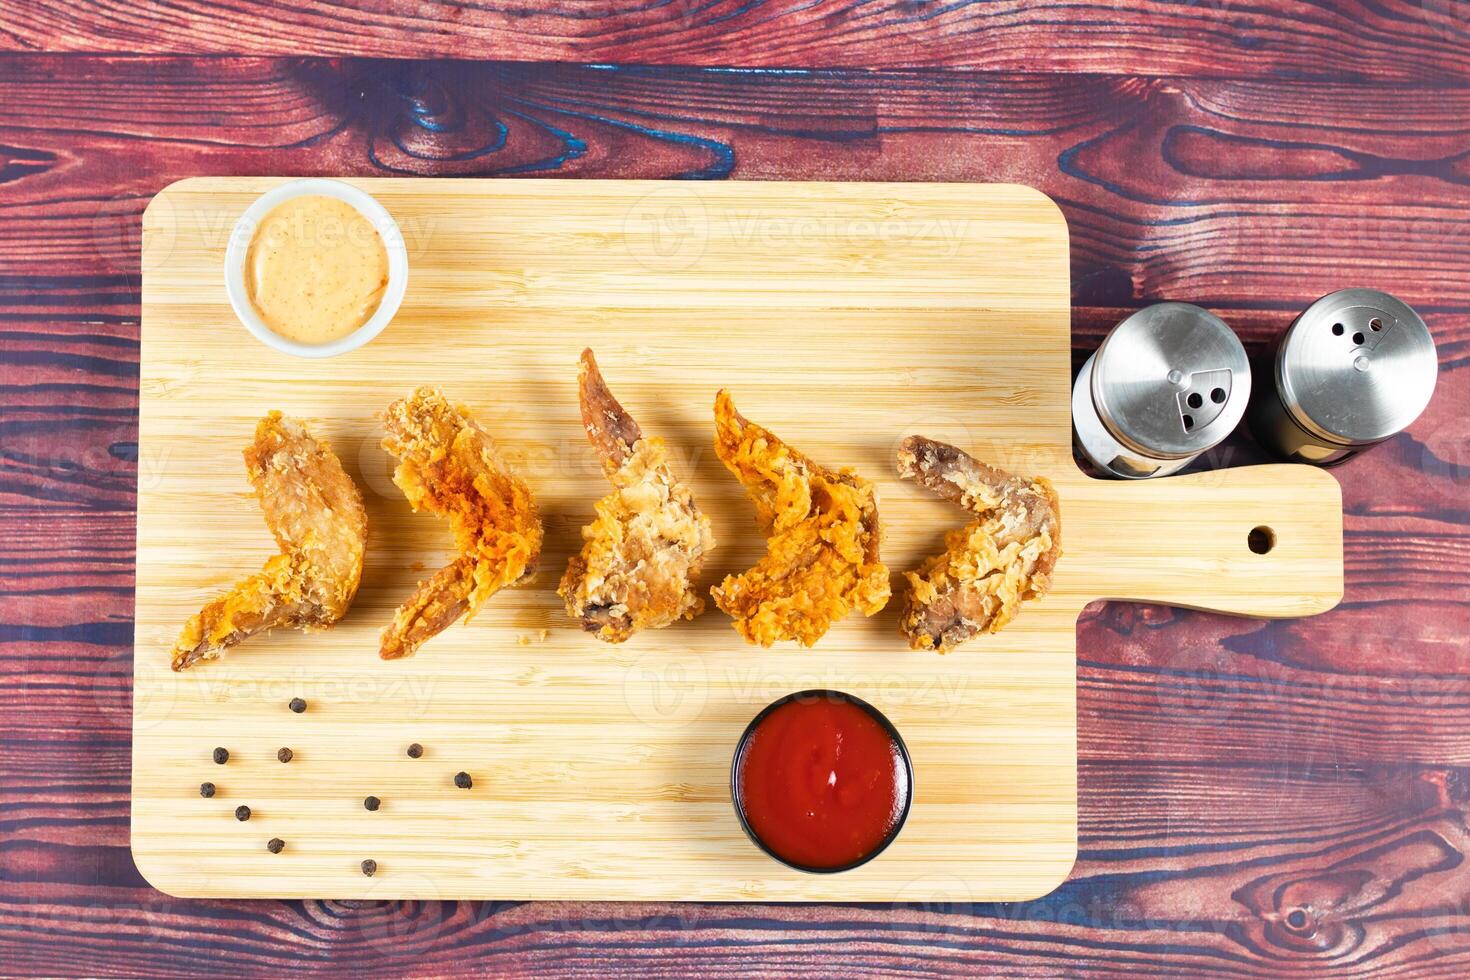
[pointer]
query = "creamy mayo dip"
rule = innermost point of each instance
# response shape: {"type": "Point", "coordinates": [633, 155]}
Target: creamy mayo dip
{"type": "Point", "coordinates": [316, 269]}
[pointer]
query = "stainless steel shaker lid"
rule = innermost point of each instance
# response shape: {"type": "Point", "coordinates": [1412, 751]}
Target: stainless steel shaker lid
{"type": "Point", "coordinates": [1171, 380]}
{"type": "Point", "coordinates": [1356, 367]}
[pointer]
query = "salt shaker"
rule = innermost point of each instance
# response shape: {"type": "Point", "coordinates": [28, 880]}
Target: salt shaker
{"type": "Point", "coordinates": [1355, 368]}
{"type": "Point", "coordinates": [1168, 383]}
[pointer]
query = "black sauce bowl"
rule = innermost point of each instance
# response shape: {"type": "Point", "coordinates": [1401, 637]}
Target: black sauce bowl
{"type": "Point", "coordinates": [876, 715]}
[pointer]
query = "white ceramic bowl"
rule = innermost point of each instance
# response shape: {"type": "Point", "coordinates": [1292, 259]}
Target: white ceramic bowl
{"type": "Point", "coordinates": [369, 208]}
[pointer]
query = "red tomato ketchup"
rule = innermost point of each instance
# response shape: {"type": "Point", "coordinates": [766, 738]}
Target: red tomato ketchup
{"type": "Point", "coordinates": [822, 781]}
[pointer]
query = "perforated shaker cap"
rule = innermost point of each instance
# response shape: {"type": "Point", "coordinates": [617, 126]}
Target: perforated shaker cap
{"type": "Point", "coordinates": [1171, 381]}
{"type": "Point", "coordinates": [1357, 366]}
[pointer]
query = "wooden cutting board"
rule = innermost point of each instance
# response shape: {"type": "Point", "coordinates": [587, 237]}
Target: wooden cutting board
{"type": "Point", "coordinates": [843, 317]}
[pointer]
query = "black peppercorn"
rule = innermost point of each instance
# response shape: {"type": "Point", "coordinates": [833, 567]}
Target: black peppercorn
{"type": "Point", "coordinates": [297, 705]}
{"type": "Point", "coordinates": [285, 755]}
{"type": "Point", "coordinates": [372, 803]}
{"type": "Point", "coordinates": [415, 750]}
{"type": "Point", "coordinates": [369, 867]}
{"type": "Point", "coordinates": [463, 780]}
{"type": "Point", "coordinates": [242, 813]}
{"type": "Point", "coordinates": [221, 756]}
{"type": "Point", "coordinates": [206, 790]}
{"type": "Point", "coordinates": [275, 845]}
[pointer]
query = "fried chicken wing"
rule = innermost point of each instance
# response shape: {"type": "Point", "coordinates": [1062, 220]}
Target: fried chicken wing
{"type": "Point", "coordinates": [315, 512]}
{"type": "Point", "coordinates": [990, 566]}
{"type": "Point", "coordinates": [646, 546]}
{"type": "Point", "coordinates": [449, 466]}
{"type": "Point", "coordinates": [821, 558]}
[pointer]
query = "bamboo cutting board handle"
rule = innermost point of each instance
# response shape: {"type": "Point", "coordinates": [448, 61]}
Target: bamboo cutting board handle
{"type": "Point", "coordinates": [1255, 541]}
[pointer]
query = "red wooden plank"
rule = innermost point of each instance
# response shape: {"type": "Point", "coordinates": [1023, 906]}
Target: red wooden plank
{"type": "Point", "coordinates": [69, 425]}
{"type": "Point", "coordinates": [1398, 40]}
{"type": "Point", "coordinates": [1220, 192]}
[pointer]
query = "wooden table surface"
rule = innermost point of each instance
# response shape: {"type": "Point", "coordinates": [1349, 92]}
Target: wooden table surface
{"type": "Point", "coordinates": [1273, 799]}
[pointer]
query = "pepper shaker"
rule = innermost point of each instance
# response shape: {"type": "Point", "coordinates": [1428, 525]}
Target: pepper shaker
{"type": "Point", "coordinates": [1355, 368]}
{"type": "Point", "coordinates": [1168, 383]}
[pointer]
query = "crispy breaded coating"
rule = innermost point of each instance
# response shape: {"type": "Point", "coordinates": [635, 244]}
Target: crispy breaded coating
{"type": "Point", "coordinates": [990, 566]}
{"type": "Point", "coordinates": [645, 548]}
{"type": "Point", "coordinates": [822, 544]}
{"type": "Point", "coordinates": [315, 512]}
{"type": "Point", "coordinates": [449, 466]}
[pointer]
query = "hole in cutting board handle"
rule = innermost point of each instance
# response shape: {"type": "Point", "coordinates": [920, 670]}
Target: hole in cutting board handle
{"type": "Point", "coordinates": [1261, 539]}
